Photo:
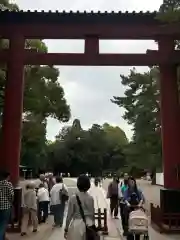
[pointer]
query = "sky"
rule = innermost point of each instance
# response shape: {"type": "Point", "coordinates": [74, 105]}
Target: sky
{"type": "Point", "coordinates": [88, 90]}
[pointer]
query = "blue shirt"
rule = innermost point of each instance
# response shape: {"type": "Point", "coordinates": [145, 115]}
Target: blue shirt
{"type": "Point", "coordinates": [128, 192]}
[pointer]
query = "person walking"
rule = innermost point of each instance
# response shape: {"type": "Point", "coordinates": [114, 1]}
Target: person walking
{"type": "Point", "coordinates": [43, 203]}
{"type": "Point", "coordinates": [58, 198]}
{"type": "Point", "coordinates": [132, 196]}
{"type": "Point", "coordinates": [123, 186]}
{"type": "Point", "coordinates": [51, 181]}
{"type": "Point", "coordinates": [96, 182]}
{"type": "Point", "coordinates": [30, 209]}
{"type": "Point", "coordinates": [113, 195]}
{"type": "Point", "coordinates": [125, 180]}
{"type": "Point", "coordinates": [6, 202]}
{"type": "Point", "coordinates": [75, 228]}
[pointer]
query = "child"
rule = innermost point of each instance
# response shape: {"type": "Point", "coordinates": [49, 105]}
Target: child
{"type": "Point", "coordinates": [43, 203]}
{"type": "Point", "coordinates": [30, 209]}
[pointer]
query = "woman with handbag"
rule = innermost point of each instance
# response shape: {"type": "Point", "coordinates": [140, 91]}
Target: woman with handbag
{"type": "Point", "coordinates": [80, 218]}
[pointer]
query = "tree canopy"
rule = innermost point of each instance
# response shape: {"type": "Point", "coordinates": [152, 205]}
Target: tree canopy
{"type": "Point", "coordinates": [141, 103]}
{"type": "Point", "coordinates": [169, 11]}
{"type": "Point", "coordinates": [77, 150]}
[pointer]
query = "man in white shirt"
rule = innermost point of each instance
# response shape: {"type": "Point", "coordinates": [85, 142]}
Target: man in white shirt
{"type": "Point", "coordinates": [43, 203]}
{"type": "Point", "coordinates": [56, 202]}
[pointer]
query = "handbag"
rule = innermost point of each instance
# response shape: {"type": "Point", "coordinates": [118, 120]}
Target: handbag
{"type": "Point", "coordinates": [91, 231]}
{"type": "Point", "coordinates": [63, 195]}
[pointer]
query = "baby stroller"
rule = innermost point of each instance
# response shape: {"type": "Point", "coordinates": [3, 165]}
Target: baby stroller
{"type": "Point", "coordinates": [137, 222]}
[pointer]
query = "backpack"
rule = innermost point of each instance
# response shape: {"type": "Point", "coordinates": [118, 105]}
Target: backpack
{"type": "Point", "coordinates": [63, 194]}
{"type": "Point", "coordinates": [134, 199]}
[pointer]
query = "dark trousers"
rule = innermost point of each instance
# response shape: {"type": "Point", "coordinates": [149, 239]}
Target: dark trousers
{"type": "Point", "coordinates": [4, 219]}
{"type": "Point", "coordinates": [43, 208]}
{"type": "Point", "coordinates": [123, 217]}
{"type": "Point", "coordinates": [58, 212]}
{"type": "Point", "coordinates": [114, 205]}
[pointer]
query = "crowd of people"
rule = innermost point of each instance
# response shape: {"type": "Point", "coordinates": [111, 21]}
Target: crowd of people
{"type": "Point", "coordinates": [50, 194]}
{"type": "Point", "coordinates": [38, 197]}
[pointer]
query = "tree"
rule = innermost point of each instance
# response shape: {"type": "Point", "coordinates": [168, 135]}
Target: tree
{"type": "Point", "coordinates": [169, 11]}
{"type": "Point", "coordinates": [43, 98]}
{"type": "Point", "coordinates": [115, 135]}
{"type": "Point", "coordinates": [6, 5]}
{"type": "Point", "coordinates": [33, 153]}
{"type": "Point", "coordinates": [141, 103]}
{"type": "Point", "coordinates": [169, 5]}
{"type": "Point", "coordinates": [78, 151]}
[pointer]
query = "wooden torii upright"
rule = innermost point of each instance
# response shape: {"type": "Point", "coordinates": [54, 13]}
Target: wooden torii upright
{"type": "Point", "coordinates": [19, 26]}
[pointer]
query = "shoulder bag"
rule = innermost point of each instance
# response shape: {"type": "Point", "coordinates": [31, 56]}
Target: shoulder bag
{"type": "Point", "coordinates": [91, 232]}
{"type": "Point", "coordinates": [63, 194]}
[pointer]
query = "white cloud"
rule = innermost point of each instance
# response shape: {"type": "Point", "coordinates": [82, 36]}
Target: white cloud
{"type": "Point", "coordinates": [89, 89]}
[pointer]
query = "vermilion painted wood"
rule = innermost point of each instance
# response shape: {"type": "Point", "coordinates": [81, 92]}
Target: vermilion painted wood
{"type": "Point", "coordinates": [41, 25]}
{"type": "Point", "coordinates": [152, 57]}
{"type": "Point", "coordinates": [13, 107]}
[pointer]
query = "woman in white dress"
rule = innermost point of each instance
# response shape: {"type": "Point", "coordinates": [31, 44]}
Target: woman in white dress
{"type": "Point", "coordinates": [75, 227]}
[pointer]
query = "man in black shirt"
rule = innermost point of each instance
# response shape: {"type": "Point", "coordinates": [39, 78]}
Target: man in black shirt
{"type": "Point", "coordinates": [113, 196]}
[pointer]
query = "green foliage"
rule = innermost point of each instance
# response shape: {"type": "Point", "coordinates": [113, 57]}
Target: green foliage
{"type": "Point", "coordinates": [33, 152]}
{"type": "Point", "coordinates": [115, 135]}
{"type": "Point", "coordinates": [169, 5]}
{"type": "Point", "coordinates": [5, 4]}
{"type": "Point", "coordinates": [78, 151]}
{"type": "Point", "coordinates": [43, 94]}
{"type": "Point", "coordinates": [43, 98]}
{"type": "Point", "coordinates": [169, 11]}
{"type": "Point", "coordinates": [141, 103]}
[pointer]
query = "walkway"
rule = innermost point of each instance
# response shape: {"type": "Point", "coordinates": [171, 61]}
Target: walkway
{"type": "Point", "coordinates": [100, 201]}
{"type": "Point", "coordinates": [99, 194]}
{"type": "Point", "coordinates": [46, 232]}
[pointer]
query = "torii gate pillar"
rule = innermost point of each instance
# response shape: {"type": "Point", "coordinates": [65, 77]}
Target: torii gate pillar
{"type": "Point", "coordinates": [170, 121]}
{"type": "Point", "coordinates": [13, 107]}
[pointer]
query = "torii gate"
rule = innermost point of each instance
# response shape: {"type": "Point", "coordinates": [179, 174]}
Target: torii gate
{"type": "Point", "coordinates": [18, 26]}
